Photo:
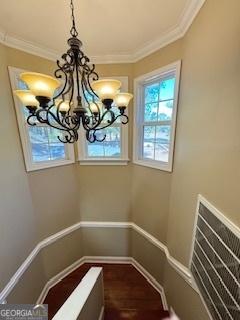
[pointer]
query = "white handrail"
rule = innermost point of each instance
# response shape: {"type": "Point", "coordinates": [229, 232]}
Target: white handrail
{"type": "Point", "coordinates": [86, 299]}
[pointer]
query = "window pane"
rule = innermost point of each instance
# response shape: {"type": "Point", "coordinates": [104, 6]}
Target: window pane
{"type": "Point", "coordinates": [162, 143]}
{"type": "Point", "coordinates": [95, 149]}
{"type": "Point", "coordinates": [40, 152]}
{"type": "Point", "coordinates": [163, 134]}
{"type": "Point", "coordinates": [53, 135]}
{"type": "Point", "coordinates": [167, 89]}
{"type": "Point", "coordinates": [151, 112]}
{"type": "Point", "coordinates": [57, 151]}
{"type": "Point", "coordinates": [165, 110]}
{"type": "Point", "coordinates": [110, 147]}
{"type": "Point", "coordinates": [45, 144]}
{"type": "Point", "coordinates": [148, 142]}
{"type": "Point", "coordinates": [22, 85]}
{"type": "Point", "coordinates": [38, 134]}
{"type": "Point", "coordinates": [152, 93]}
{"type": "Point", "coordinates": [162, 152]}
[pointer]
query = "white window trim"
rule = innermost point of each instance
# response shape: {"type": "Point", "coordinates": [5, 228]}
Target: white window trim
{"type": "Point", "coordinates": [82, 145]}
{"type": "Point", "coordinates": [138, 108]}
{"type": "Point", "coordinates": [29, 164]}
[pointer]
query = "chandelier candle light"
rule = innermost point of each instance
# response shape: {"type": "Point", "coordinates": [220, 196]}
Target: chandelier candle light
{"type": "Point", "coordinates": [81, 97]}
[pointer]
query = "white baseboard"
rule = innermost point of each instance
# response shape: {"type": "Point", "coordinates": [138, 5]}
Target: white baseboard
{"type": "Point", "coordinates": [101, 259]}
{"type": "Point", "coordinates": [108, 259]}
{"type": "Point", "coordinates": [57, 278]}
{"type": "Point", "coordinates": [154, 283]}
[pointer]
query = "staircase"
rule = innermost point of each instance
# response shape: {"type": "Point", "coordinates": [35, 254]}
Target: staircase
{"type": "Point", "coordinates": [127, 294]}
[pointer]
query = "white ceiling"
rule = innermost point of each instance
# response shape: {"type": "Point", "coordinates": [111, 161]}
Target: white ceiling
{"type": "Point", "coordinates": [111, 30]}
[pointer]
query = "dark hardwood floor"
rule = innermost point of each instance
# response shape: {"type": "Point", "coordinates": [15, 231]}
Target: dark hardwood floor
{"type": "Point", "coordinates": [128, 295]}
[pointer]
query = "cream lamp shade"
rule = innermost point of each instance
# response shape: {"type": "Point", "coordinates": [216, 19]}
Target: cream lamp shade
{"type": "Point", "coordinates": [27, 98]}
{"type": "Point", "coordinates": [40, 84]}
{"type": "Point", "coordinates": [63, 106]}
{"type": "Point", "coordinates": [106, 88]}
{"type": "Point", "coordinates": [122, 99]}
{"type": "Point", "coordinates": [94, 108]}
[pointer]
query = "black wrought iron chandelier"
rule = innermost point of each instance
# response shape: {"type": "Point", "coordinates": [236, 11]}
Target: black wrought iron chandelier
{"type": "Point", "coordinates": [75, 96]}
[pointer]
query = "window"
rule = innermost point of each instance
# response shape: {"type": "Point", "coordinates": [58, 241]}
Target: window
{"type": "Point", "coordinates": [114, 149]}
{"type": "Point", "coordinates": [40, 143]}
{"type": "Point", "coordinates": [155, 110]}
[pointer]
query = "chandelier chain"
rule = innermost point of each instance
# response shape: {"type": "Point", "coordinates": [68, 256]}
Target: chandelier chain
{"type": "Point", "coordinates": [73, 30]}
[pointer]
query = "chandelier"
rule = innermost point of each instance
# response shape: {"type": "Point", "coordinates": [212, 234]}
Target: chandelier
{"type": "Point", "coordinates": [75, 97]}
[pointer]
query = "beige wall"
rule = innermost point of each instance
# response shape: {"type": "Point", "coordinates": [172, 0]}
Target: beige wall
{"type": "Point", "coordinates": [207, 152]}
{"type": "Point", "coordinates": [151, 187]}
{"type": "Point", "coordinates": [148, 255]}
{"type": "Point", "coordinates": [62, 253]}
{"type": "Point", "coordinates": [106, 242]}
{"type": "Point", "coordinates": [105, 191]}
{"type": "Point", "coordinates": [17, 216]}
{"type": "Point", "coordinates": [54, 191]}
{"type": "Point", "coordinates": [184, 300]}
{"type": "Point", "coordinates": [30, 285]}
{"type": "Point", "coordinates": [33, 205]}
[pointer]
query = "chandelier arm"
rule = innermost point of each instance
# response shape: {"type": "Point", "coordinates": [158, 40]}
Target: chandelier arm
{"type": "Point", "coordinates": [96, 127]}
{"type": "Point", "coordinates": [29, 118]}
{"type": "Point", "coordinates": [89, 71]}
{"type": "Point", "coordinates": [109, 122]}
{"type": "Point", "coordinates": [38, 115]}
{"type": "Point", "coordinates": [70, 137]}
{"type": "Point", "coordinates": [92, 137]}
{"type": "Point", "coordinates": [104, 127]}
{"type": "Point", "coordinates": [72, 133]}
{"type": "Point", "coordinates": [89, 85]}
{"type": "Point", "coordinates": [59, 76]}
{"type": "Point", "coordinates": [123, 116]}
{"type": "Point", "coordinates": [61, 126]}
{"type": "Point", "coordinates": [84, 89]}
{"type": "Point", "coordinates": [59, 73]}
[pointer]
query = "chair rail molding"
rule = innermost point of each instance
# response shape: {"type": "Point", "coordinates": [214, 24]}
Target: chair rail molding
{"type": "Point", "coordinates": [180, 268]}
{"type": "Point", "coordinates": [176, 32]}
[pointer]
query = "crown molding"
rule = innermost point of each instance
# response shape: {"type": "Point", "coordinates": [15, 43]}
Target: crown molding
{"type": "Point", "coordinates": [189, 14]}
{"type": "Point", "coordinates": [177, 32]}
{"type": "Point", "coordinates": [29, 47]}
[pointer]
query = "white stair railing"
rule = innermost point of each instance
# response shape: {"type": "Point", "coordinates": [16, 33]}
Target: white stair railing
{"type": "Point", "coordinates": [87, 300]}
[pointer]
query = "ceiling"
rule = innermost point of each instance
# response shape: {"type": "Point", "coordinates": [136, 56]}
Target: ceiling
{"type": "Point", "coordinates": [111, 30]}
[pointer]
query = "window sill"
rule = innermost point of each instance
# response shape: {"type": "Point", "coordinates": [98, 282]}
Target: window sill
{"type": "Point", "coordinates": [154, 165]}
{"type": "Point", "coordinates": [47, 165]}
{"type": "Point", "coordinates": [103, 162]}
